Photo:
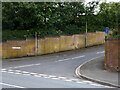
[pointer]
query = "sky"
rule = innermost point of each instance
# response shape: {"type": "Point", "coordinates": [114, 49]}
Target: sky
{"type": "Point", "coordinates": [108, 1]}
{"type": "Point", "coordinates": [103, 0]}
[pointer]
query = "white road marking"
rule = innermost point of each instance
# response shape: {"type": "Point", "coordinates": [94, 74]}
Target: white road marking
{"type": "Point", "coordinates": [37, 76]}
{"type": "Point", "coordinates": [42, 74]}
{"type": "Point", "coordinates": [100, 52]}
{"type": "Point", "coordinates": [26, 66]}
{"type": "Point", "coordinates": [77, 71]}
{"type": "Point", "coordinates": [11, 85]}
{"type": "Point", "coordinates": [51, 77]}
{"type": "Point", "coordinates": [55, 78]}
{"type": "Point", "coordinates": [25, 72]}
{"type": "Point", "coordinates": [33, 73]}
{"type": "Point", "coordinates": [62, 77]}
{"type": "Point", "coordinates": [17, 73]}
{"type": "Point", "coordinates": [95, 84]}
{"type": "Point", "coordinates": [10, 72]}
{"type": "Point", "coordinates": [46, 77]}
{"type": "Point", "coordinates": [3, 69]}
{"type": "Point", "coordinates": [17, 70]}
{"type": "Point", "coordinates": [64, 60]}
{"type": "Point", "coordinates": [70, 58]}
{"type": "Point", "coordinates": [79, 82]}
{"type": "Point", "coordinates": [69, 80]}
{"type": "Point", "coordinates": [87, 82]}
{"type": "Point", "coordinates": [75, 79]}
{"type": "Point", "coordinates": [78, 57]}
{"type": "Point", "coordinates": [39, 63]}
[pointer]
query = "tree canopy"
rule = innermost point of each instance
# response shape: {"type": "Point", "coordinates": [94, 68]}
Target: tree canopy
{"type": "Point", "coordinates": [57, 18]}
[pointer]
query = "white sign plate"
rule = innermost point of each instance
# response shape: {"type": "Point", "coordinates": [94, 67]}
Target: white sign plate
{"type": "Point", "coordinates": [16, 47]}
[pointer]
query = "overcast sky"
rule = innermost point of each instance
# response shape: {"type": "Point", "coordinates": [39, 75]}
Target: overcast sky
{"type": "Point", "coordinates": [97, 9]}
{"type": "Point", "coordinates": [103, 0]}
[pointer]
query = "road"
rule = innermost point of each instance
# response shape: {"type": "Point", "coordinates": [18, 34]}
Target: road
{"type": "Point", "coordinates": [49, 71]}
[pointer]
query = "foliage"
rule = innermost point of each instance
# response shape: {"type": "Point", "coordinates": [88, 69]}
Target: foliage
{"type": "Point", "coordinates": [109, 15]}
{"type": "Point", "coordinates": [115, 35]}
{"type": "Point", "coordinates": [23, 19]}
{"type": "Point", "coordinates": [13, 35]}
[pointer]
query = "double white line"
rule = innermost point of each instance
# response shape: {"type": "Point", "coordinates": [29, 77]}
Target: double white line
{"type": "Point", "coordinates": [70, 58]}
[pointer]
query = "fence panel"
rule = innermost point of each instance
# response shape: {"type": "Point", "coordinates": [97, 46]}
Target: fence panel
{"type": "Point", "coordinates": [66, 43]}
{"type": "Point", "coordinates": [79, 41]}
{"type": "Point", "coordinates": [41, 46]}
{"type": "Point", "coordinates": [100, 37]}
{"type": "Point", "coordinates": [49, 45]}
{"type": "Point", "coordinates": [91, 39]}
{"type": "Point", "coordinates": [30, 46]}
{"type": "Point", "coordinates": [56, 44]}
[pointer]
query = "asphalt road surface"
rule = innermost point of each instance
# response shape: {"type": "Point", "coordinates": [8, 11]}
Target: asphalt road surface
{"type": "Point", "coordinates": [49, 71]}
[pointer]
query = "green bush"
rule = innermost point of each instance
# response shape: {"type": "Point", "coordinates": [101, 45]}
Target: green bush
{"type": "Point", "coordinates": [13, 35]}
{"type": "Point", "coordinates": [116, 34]}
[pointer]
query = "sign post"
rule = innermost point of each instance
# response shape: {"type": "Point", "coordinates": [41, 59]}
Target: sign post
{"type": "Point", "coordinates": [86, 36]}
{"type": "Point", "coordinates": [106, 32]}
{"type": "Point", "coordinates": [36, 43]}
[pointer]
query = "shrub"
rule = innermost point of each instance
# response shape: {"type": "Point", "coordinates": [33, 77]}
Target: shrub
{"type": "Point", "coordinates": [116, 34]}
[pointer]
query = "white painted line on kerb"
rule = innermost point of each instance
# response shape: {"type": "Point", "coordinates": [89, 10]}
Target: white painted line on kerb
{"type": "Point", "coordinates": [70, 58]}
{"type": "Point", "coordinates": [26, 66]}
{"type": "Point", "coordinates": [15, 86]}
{"type": "Point", "coordinates": [100, 52]}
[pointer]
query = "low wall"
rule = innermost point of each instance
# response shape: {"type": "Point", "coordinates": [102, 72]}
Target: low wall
{"type": "Point", "coordinates": [50, 44]}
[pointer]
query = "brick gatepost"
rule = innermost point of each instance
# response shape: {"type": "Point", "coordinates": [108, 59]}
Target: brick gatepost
{"type": "Point", "coordinates": [112, 54]}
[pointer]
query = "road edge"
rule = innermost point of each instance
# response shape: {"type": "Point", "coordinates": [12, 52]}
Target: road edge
{"type": "Point", "coordinates": [79, 75]}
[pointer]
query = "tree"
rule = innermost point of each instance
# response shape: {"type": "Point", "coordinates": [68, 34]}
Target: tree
{"type": "Point", "coordinates": [109, 15]}
{"type": "Point", "coordinates": [56, 18]}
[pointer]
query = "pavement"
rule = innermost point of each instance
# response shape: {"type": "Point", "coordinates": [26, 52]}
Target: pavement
{"type": "Point", "coordinates": [94, 70]}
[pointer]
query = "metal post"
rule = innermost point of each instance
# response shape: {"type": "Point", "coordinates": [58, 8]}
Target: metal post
{"type": "Point", "coordinates": [36, 43]}
{"type": "Point", "coordinates": [86, 28]}
{"type": "Point", "coordinates": [86, 36]}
